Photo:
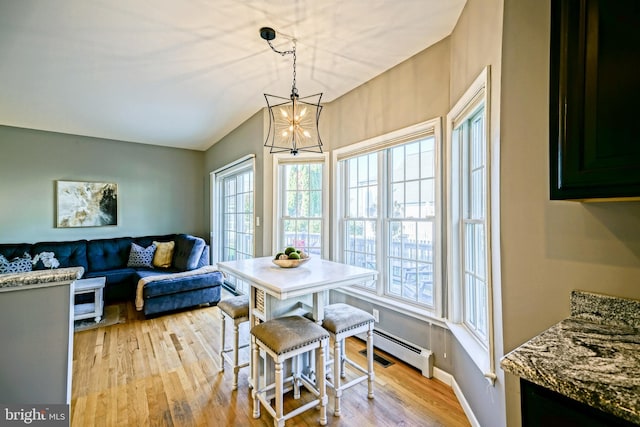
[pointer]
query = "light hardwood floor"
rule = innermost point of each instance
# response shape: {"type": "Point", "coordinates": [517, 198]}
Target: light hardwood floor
{"type": "Point", "coordinates": [165, 371]}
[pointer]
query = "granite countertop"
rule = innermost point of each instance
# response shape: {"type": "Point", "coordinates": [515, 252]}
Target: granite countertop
{"type": "Point", "coordinates": [593, 356]}
{"type": "Point", "coordinates": [14, 281]}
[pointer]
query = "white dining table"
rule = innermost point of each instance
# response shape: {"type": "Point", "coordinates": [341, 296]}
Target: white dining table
{"type": "Point", "coordinates": [277, 291]}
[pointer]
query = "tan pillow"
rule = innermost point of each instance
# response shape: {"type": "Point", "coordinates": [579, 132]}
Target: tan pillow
{"type": "Point", "coordinates": [164, 254]}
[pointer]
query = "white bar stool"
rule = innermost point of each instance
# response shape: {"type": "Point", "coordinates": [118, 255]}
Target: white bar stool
{"type": "Point", "coordinates": [343, 321]}
{"type": "Point", "coordinates": [237, 309]}
{"type": "Point", "coordinates": [285, 338]}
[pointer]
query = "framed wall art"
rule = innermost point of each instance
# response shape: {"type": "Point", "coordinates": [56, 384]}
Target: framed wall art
{"type": "Point", "coordinates": [86, 204]}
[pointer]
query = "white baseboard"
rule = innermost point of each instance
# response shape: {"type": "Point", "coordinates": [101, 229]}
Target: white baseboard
{"type": "Point", "coordinates": [449, 380]}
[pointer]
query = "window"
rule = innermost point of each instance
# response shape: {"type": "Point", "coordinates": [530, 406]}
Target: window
{"type": "Point", "coordinates": [233, 214]}
{"type": "Point", "coordinates": [411, 218]}
{"type": "Point", "coordinates": [300, 209]}
{"type": "Point", "coordinates": [361, 217]}
{"type": "Point", "coordinates": [470, 139]}
{"type": "Point", "coordinates": [469, 218]}
{"type": "Point", "coordinates": [388, 213]}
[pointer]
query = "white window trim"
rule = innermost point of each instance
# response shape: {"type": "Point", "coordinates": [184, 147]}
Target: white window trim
{"type": "Point", "coordinates": [483, 356]}
{"type": "Point", "coordinates": [378, 143]}
{"type": "Point", "coordinates": [215, 178]}
{"type": "Point", "coordinates": [280, 159]}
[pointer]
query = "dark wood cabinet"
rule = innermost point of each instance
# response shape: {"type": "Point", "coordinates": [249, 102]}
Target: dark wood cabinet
{"type": "Point", "coordinates": [542, 407]}
{"type": "Point", "coordinates": [594, 114]}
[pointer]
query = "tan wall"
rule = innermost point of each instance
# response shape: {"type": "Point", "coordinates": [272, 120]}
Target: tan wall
{"type": "Point", "coordinates": [243, 140]}
{"type": "Point", "coordinates": [476, 43]}
{"type": "Point", "coordinates": [548, 247]}
{"type": "Point", "coordinates": [409, 93]}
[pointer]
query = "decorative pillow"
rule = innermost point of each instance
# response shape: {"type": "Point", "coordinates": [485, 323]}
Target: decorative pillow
{"type": "Point", "coordinates": [188, 251]}
{"type": "Point", "coordinates": [164, 254]}
{"type": "Point", "coordinates": [141, 257]}
{"type": "Point", "coordinates": [45, 260]}
{"type": "Point", "coordinates": [16, 265]}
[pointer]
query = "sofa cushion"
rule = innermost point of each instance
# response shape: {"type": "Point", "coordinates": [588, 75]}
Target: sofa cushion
{"type": "Point", "coordinates": [164, 254]}
{"type": "Point", "coordinates": [120, 284]}
{"type": "Point", "coordinates": [17, 265]}
{"type": "Point", "coordinates": [14, 250]}
{"type": "Point", "coordinates": [146, 241]}
{"type": "Point", "coordinates": [164, 303]}
{"type": "Point", "coordinates": [116, 275]}
{"type": "Point", "coordinates": [172, 285]}
{"type": "Point", "coordinates": [187, 253]}
{"type": "Point", "coordinates": [107, 254]}
{"type": "Point", "coordinates": [141, 257]}
{"type": "Point", "coordinates": [68, 254]}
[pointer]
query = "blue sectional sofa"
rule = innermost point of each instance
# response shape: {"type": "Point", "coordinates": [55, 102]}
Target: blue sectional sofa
{"type": "Point", "coordinates": [188, 281]}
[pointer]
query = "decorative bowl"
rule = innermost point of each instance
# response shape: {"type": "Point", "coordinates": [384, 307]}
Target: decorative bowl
{"type": "Point", "coordinates": [289, 263]}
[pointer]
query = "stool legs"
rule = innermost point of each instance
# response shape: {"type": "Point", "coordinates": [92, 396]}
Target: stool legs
{"type": "Point", "coordinates": [223, 321]}
{"type": "Point", "coordinates": [236, 348]}
{"type": "Point", "coordinates": [339, 375]}
{"type": "Point", "coordinates": [236, 352]}
{"type": "Point", "coordinates": [320, 383]}
{"type": "Point", "coordinates": [258, 393]}
{"type": "Point", "coordinates": [338, 370]}
{"type": "Point", "coordinates": [370, 362]}
{"type": "Point", "coordinates": [279, 420]}
{"type": "Point", "coordinates": [255, 374]}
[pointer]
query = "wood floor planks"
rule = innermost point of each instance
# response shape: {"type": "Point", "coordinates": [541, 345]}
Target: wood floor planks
{"type": "Point", "coordinates": [165, 372]}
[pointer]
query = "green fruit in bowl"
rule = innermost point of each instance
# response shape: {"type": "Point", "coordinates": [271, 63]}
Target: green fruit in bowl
{"type": "Point", "coordinates": [278, 255]}
{"type": "Point", "coordinates": [289, 250]}
{"type": "Point", "coordinates": [294, 255]}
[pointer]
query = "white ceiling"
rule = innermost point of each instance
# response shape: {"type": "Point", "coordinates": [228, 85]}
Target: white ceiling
{"type": "Point", "coordinates": [184, 73]}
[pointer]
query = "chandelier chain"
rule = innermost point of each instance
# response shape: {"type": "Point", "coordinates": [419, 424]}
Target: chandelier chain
{"type": "Point", "coordinates": [294, 89]}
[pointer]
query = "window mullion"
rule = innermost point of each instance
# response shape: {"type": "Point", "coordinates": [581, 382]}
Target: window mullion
{"type": "Point", "coordinates": [383, 222]}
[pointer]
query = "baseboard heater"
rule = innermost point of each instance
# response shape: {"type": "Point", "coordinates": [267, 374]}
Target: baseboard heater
{"type": "Point", "coordinates": [418, 357]}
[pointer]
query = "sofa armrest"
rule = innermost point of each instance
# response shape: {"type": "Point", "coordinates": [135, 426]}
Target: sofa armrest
{"type": "Point", "coordinates": [205, 258]}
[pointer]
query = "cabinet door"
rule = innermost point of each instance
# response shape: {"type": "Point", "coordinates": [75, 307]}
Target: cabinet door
{"type": "Point", "coordinates": [594, 96]}
{"type": "Point", "coordinates": [545, 408]}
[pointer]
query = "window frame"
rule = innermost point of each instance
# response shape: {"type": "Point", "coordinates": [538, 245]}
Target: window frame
{"type": "Point", "coordinates": [217, 177]}
{"type": "Point", "coordinates": [482, 352]}
{"type": "Point", "coordinates": [278, 202]}
{"type": "Point", "coordinates": [429, 128]}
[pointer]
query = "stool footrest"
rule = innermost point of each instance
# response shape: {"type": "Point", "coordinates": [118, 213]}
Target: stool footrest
{"type": "Point", "coordinates": [230, 350]}
{"type": "Point", "coordinates": [309, 385]}
{"type": "Point", "coordinates": [355, 365]}
{"type": "Point", "coordinates": [230, 362]}
{"type": "Point", "coordinates": [272, 386]}
{"type": "Point", "coordinates": [351, 383]}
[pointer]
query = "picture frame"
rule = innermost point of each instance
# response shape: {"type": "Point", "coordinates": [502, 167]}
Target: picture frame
{"type": "Point", "coordinates": [86, 204]}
